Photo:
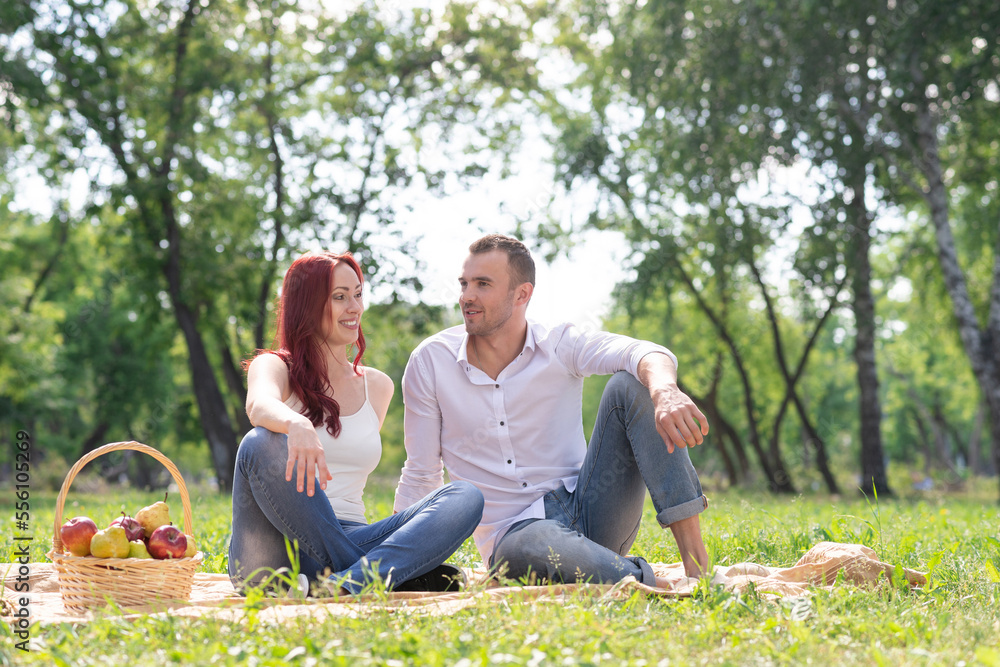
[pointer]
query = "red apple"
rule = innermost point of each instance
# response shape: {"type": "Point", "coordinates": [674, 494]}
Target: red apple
{"type": "Point", "coordinates": [76, 533]}
{"type": "Point", "coordinates": [133, 529]}
{"type": "Point", "coordinates": [167, 542]}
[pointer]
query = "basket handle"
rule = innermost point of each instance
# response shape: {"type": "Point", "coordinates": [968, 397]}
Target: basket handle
{"type": "Point", "coordinates": [114, 447]}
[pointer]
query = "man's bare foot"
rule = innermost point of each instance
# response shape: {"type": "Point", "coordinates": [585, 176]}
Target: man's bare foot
{"type": "Point", "coordinates": [687, 532]}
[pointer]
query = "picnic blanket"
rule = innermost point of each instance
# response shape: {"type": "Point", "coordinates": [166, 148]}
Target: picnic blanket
{"type": "Point", "coordinates": [213, 594]}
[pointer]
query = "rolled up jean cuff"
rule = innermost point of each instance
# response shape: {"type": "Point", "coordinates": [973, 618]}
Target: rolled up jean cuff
{"type": "Point", "coordinates": [683, 511]}
{"type": "Point", "coordinates": [648, 577]}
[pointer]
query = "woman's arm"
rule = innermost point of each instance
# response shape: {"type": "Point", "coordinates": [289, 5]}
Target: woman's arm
{"type": "Point", "coordinates": [267, 389]}
{"type": "Point", "coordinates": [380, 390]}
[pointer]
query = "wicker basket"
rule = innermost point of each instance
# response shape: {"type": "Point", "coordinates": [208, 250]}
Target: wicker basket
{"type": "Point", "coordinates": [88, 582]}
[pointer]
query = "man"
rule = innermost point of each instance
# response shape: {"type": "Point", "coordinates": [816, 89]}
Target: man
{"type": "Point", "coordinates": [500, 405]}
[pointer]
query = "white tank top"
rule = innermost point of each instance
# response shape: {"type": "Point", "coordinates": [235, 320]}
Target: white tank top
{"type": "Point", "coordinates": [351, 457]}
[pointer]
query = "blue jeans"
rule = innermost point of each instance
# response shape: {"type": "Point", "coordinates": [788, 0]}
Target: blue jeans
{"type": "Point", "coordinates": [267, 510]}
{"type": "Point", "coordinates": [587, 532]}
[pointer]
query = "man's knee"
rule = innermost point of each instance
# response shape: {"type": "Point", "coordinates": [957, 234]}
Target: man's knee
{"type": "Point", "coordinates": [533, 551]}
{"type": "Point", "coordinates": [623, 380]}
{"type": "Point", "coordinates": [623, 389]}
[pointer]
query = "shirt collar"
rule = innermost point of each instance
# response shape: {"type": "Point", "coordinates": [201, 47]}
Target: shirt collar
{"type": "Point", "coordinates": [462, 352]}
{"type": "Point", "coordinates": [529, 340]}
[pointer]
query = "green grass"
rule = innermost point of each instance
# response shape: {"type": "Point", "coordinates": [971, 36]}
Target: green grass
{"type": "Point", "coordinates": [956, 619]}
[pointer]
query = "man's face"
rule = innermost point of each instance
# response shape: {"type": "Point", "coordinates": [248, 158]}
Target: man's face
{"type": "Point", "coordinates": [487, 300]}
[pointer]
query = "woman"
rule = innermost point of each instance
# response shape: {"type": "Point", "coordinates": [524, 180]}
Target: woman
{"type": "Point", "coordinates": [317, 417]}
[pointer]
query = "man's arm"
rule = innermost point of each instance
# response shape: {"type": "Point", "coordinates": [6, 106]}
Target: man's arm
{"type": "Point", "coordinates": [678, 420]}
{"type": "Point", "coordinates": [423, 471]}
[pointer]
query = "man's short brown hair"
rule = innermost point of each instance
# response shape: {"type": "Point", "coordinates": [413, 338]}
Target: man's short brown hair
{"type": "Point", "coordinates": [522, 266]}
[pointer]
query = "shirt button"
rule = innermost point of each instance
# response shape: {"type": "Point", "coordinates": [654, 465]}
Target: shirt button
{"type": "Point", "coordinates": [501, 423]}
{"type": "Point", "coordinates": [509, 461]}
{"type": "Point", "coordinates": [523, 484]}
{"type": "Point", "coordinates": [497, 386]}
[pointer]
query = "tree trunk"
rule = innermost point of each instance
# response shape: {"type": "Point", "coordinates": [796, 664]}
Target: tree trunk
{"type": "Point", "coordinates": [212, 409]}
{"type": "Point", "coordinates": [742, 462]}
{"type": "Point", "coordinates": [976, 466]}
{"type": "Point", "coordinates": [945, 451]}
{"type": "Point", "coordinates": [57, 218]}
{"type": "Point", "coordinates": [708, 406]}
{"type": "Point", "coordinates": [927, 442]}
{"type": "Point", "coordinates": [742, 467]}
{"type": "Point", "coordinates": [996, 457]}
{"type": "Point", "coordinates": [145, 472]}
{"type": "Point", "coordinates": [778, 478]}
{"type": "Point", "coordinates": [95, 439]}
{"type": "Point", "coordinates": [978, 343]}
{"type": "Point", "coordinates": [959, 446]}
{"type": "Point", "coordinates": [992, 345]}
{"type": "Point", "coordinates": [234, 379]}
{"type": "Point", "coordinates": [818, 445]}
{"type": "Point", "coordinates": [270, 269]}
{"type": "Point", "coordinates": [813, 438]}
{"type": "Point", "coordinates": [873, 474]}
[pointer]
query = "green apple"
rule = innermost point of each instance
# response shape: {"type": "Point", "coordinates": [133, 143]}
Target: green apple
{"type": "Point", "coordinates": [153, 516]}
{"type": "Point", "coordinates": [112, 542]}
{"type": "Point", "coordinates": [137, 549]}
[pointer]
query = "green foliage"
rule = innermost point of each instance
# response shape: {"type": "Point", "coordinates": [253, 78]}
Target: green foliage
{"type": "Point", "coordinates": [673, 319]}
{"type": "Point", "coordinates": [31, 341]}
{"type": "Point", "coordinates": [212, 143]}
{"type": "Point", "coordinates": [736, 146]}
{"type": "Point", "coordinates": [89, 357]}
{"type": "Point", "coordinates": [930, 389]}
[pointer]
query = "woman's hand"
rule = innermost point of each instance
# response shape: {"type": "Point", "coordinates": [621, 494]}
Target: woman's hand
{"type": "Point", "coordinates": [267, 390]}
{"type": "Point", "coordinates": [306, 455]}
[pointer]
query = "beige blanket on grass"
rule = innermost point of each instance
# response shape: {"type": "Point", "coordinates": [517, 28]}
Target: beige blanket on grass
{"type": "Point", "coordinates": [213, 594]}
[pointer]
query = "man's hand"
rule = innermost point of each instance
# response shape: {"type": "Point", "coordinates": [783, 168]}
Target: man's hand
{"type": "Point", "coordinates": [678, 420]}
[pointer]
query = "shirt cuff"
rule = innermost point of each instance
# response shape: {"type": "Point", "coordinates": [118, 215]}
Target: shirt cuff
{"type": "Point", "coordinates": [641, 350]}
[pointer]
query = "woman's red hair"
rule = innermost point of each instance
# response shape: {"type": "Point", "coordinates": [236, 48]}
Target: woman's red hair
{"type": "Point", "coordinates": [305, 294]}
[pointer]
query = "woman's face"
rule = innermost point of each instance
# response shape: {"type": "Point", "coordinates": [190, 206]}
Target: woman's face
{"type": "Point", "coordinates": [342, 319]}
